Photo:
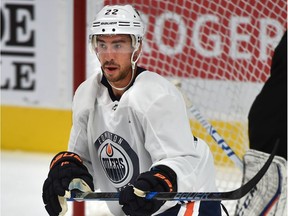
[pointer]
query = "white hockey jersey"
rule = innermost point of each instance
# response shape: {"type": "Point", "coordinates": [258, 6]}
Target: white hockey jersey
{"type": "Point", "coordinates": [148, 126]}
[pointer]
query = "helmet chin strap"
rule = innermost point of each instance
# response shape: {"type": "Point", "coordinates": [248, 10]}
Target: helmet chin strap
{"type": "Point", "coordinates": [123, 88]}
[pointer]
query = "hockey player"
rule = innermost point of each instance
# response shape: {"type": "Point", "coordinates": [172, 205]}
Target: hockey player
{"type": "Point", "coordinates": [130, 130]}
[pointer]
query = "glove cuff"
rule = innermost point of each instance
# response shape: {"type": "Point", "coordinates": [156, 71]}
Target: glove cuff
{"type": "Point", "coordinates": [166, 180]}
{"type": "Point", "coordinates": [65, 156]}
{"type": "Point", "coordinates": [167, 175]}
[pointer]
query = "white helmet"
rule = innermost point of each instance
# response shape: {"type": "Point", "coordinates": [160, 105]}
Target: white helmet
{"type": "Point", "coordinates": [118, 19]}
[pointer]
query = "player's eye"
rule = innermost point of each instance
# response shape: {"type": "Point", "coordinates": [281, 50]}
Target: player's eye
{"type": "Point", "coordinates": [102, 46]}
{"type": "Point", "coordinates": [117, 46]}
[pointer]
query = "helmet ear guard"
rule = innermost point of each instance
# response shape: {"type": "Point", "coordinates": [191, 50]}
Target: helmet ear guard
{"type": "Point", "coordinates": [136, 45]}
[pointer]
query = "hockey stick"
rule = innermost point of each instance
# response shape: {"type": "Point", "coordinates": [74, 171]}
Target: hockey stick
{"type": "Point", "coordinates": [246, 205]}
{"type": "Point", "coordinates": [183, 196]}
{"type": "Point", "coordinates": [209, 128]}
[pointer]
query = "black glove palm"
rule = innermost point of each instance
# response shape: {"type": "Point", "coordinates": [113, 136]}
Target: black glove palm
{"type": "Point", "coordinates": [64, 167]}
{"type": "Point", "coordinates": [160, 179]}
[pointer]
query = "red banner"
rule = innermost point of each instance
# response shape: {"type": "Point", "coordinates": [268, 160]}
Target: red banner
{"type": "Point", "coordinates": [226, 40]}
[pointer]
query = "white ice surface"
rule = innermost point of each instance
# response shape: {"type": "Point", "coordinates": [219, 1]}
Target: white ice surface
{"type": "Point", "coordinates": [22, 178]}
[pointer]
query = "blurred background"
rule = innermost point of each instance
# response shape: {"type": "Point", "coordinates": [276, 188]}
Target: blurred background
{"type": "Point", "coordinates": [220, 50]}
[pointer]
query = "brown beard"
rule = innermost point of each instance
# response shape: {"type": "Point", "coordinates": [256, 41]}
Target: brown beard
{"type": "Point", "coordinates": [121, 75]}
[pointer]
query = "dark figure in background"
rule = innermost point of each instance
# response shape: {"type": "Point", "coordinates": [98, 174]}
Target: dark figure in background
{"type": "Point", "coordinates": [268, 114]}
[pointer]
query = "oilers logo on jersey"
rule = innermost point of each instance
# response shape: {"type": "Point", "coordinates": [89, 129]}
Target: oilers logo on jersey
{"type": "Point", "coordinates": [119, 162]}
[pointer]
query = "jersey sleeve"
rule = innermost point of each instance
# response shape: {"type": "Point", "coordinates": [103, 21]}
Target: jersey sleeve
{"type": "Point", "coordinates": [170, 142]}
{"type": "Point", "coordinates": [78, 141]}
{"type": "Point", "coordinates": [83, 105]}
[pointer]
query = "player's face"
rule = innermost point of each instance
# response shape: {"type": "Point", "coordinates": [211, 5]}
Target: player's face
{"type": "Point", "coordinates": [114, 53]}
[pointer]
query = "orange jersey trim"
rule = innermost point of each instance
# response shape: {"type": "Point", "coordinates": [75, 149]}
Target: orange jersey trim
{"type": "Point", "coordinates": [189, 209]}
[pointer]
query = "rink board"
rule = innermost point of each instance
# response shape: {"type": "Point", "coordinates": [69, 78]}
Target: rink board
{"type": "Point", "coordinates": [35, 129]}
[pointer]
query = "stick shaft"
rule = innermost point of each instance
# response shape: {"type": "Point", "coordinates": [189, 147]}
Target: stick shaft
{"type": "Point", "coordinates": [185, 196]}
{"type": "Point", "coordinates": [167, 196]}
{"type": "Point", "coordinates": [216, 136]}
{"type": "Point", "coordinates": [209, 128]}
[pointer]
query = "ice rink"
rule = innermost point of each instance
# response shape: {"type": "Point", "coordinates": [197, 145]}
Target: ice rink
{"type": "Point", "coordinates": [22, 177]}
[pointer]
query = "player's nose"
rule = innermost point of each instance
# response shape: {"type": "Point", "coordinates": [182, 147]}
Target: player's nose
{"type": "Point", "coordinates": [109, 54]}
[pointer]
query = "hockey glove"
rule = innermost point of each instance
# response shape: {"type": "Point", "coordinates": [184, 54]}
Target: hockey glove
{"type": "Point", "coordinates": [66, 169]}
{"type": "Point", "coordinates": [159, 179]}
